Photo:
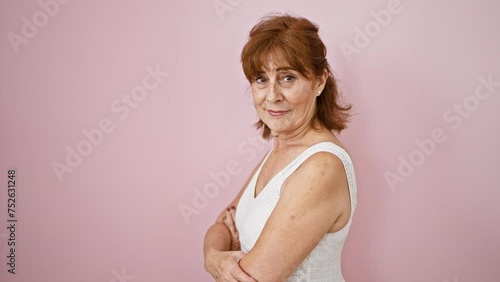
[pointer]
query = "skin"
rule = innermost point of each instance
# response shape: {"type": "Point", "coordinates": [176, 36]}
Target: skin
{"type": "Point", "coordinates": [314, 199]}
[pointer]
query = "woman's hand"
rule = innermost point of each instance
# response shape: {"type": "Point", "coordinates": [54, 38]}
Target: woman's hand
{"type": "Point", "coordinates": [224, 267]}
{"type": "Point", "coordinates": [229, 221]}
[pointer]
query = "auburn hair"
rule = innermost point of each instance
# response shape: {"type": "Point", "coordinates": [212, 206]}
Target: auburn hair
{"type": "Point", "coordinates": [295, 40]}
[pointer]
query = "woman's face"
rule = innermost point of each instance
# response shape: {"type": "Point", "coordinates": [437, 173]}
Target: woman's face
{"type": "Point", "coordinates": [284, 99]}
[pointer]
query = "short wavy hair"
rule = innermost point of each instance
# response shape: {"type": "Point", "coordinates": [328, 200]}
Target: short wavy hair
{"type": "Point", "coordinates": [296, 41]}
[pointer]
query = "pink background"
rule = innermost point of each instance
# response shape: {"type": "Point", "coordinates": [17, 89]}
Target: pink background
{"type": "Point", "coordinates": [116, 217]}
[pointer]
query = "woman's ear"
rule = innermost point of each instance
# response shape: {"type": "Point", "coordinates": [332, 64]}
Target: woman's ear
{"type": "Point", "coordinates": [322, 82]}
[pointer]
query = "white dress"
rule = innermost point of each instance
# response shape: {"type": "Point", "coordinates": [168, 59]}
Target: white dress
{"type": "Point", "coordinates": [323, 263]}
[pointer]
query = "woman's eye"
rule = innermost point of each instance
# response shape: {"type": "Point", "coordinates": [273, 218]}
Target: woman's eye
{"type": "Point", "coordinates": [288, 78]}
{"type": "Point", "coordinates": [260, 79]}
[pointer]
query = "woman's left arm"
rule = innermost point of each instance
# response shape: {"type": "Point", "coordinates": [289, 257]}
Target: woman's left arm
{"type": "Point", "coordinates": [307, 209]}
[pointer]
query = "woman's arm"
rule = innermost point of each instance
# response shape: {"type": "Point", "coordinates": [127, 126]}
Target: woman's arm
{"type": "Point", "coordinates": [220, 259]}
{"type": "Point", "coordinates": [308, 207]}
{"type": "Point", "coordinates": [219, 243]}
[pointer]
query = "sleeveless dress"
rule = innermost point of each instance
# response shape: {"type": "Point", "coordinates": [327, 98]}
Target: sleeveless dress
{"type": "Point", "coordinates": [323, 263]}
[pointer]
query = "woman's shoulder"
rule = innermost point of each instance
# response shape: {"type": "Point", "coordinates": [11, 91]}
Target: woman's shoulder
{"type": "Point", "coordinates": [328, 143]}
{"type": "Point", "coordinates": [324, 158]}
{"type": "Point", "coordinates": [327, 159]}
{"type": "Point", "coordinates": [320, 162]}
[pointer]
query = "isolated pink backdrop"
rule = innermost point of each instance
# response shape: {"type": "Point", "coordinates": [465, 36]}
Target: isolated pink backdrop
{"type": "Point", "coordinates": [114, 215]}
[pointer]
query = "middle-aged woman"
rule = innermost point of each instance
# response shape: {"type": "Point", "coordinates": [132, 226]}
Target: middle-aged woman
{"type": "Point", "coordinates": [291, 218]}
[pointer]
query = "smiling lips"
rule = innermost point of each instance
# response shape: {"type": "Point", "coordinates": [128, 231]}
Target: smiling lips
{"type": "Point", "coordinates": [276, 113]}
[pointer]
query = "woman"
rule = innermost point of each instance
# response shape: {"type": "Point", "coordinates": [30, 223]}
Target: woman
{"type": "Point", "coordinates": [290, 220]}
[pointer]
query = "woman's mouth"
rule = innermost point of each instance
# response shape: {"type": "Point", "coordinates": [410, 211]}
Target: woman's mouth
{"type": "Point", "coordinates": [276, 113]}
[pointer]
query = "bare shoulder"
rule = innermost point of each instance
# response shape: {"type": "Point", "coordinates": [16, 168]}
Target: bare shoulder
{"type": "Point", "coordinates": [323, 170]}
{"type": "Point", "coordinates": [325, 162]}
{"type": "Point", "coordinates": [321, 184]}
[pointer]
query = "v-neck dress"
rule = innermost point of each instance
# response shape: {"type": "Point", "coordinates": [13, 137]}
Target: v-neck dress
{"type": "Point", "coordinates": [323, 264]}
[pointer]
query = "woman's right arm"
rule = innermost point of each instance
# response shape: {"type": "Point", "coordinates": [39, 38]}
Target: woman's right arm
{"type": "Point", "coordinates": [221, 247]}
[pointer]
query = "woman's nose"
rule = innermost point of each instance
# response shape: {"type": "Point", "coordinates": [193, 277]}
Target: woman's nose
{"type": "Point", "coordinates": [274, 93]}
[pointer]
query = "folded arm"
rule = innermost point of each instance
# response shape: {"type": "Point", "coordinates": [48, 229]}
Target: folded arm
{"type": "Point", "coordinates": [221, 245]}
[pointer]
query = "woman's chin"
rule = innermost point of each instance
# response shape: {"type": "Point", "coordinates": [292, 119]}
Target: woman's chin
{"type": "Point", "coordinates": [276, 131]}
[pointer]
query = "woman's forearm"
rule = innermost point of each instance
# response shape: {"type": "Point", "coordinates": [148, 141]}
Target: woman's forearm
{"type": "Point", "coordinates": [220, 260]}
{"type": "Point", "coordinates": [218, 238]}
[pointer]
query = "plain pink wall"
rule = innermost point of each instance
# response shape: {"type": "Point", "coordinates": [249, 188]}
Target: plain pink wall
{"type": "Point", "coordinates": [114, 215]}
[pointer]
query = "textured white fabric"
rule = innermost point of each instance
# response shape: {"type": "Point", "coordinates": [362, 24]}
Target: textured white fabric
{"type": "Point", "coordinates": [323, 263]}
